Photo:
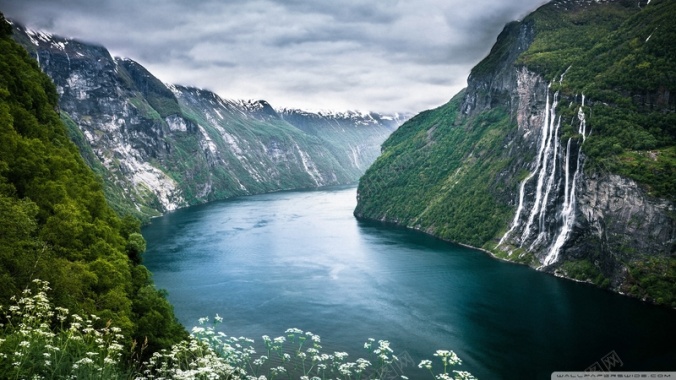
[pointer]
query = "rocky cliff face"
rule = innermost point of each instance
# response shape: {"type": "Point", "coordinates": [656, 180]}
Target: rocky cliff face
{"type": "Point", "coordinates": [512, 173]}
{"type": "Point", "coordinates": [362, 144]}
{"type": "Point", "coordinates": [563, 213]}
{"type": "Point", "coordinates": [161, 147]}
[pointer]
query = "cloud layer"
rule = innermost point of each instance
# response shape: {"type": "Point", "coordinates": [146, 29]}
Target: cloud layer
{"type": "Point", "coordinates": [385, 55]}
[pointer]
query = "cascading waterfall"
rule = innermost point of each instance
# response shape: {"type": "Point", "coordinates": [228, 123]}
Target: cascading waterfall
{"type": "Point", "coordinates": [522, 188]}
{"type": "Point", "coordinates": [547, 184]}
{"type": "Point", "coordinates": [568, 211]}
{"type": "Point", "coordinates": [548, 160]}
{"type": "Point", "coordinates": [551, 181]}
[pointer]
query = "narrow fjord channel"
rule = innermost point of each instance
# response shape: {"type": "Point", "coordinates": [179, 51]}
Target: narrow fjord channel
{"type": "Point", "coordinates": [300, 259]}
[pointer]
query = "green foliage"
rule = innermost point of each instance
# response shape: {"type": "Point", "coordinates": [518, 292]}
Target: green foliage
{"type": "Point", "coordinates": [653, 279]}
{"type": "Point", "coordinates": [624, 60]}
{"type": "Point", "coordinates": [40, 341]}
{"type": "Point", "coordinates": [566, 32]}
{"type": "Point", "coordinates": [54, 218]}
{"type": "Point", "coordinates": [136, 245]}
{"type": "Point", "coordinates": [584, 270]}
{"type": "Point", "coordinates": [437, 175]}
{"type": "Point", "coordinates": [500, 52]}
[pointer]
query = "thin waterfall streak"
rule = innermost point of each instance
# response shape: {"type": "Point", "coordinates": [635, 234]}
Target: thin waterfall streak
{"type": "Point", "coordinates": [564, 74]}
{"type": "Point", "coordinates": [537, 206]}
{"type": "Point", "coordinates": [522, 188]}
{"type": "Point", "coordinates": [550, 185]}
{"type": "Point", "coordinates": [582, 129]}
{"type": "Point", "coordinates": [567, 173]}
{"type": "Point", "coordinates": [552, 175]}
{"type": "Point", "coordinates": [515, 222]}
{"type": "Point", "coordinates": [568, 211]}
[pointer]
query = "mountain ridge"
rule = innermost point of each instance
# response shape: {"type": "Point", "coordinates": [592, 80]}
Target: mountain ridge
{"type": "Point", "coordinates": [159, 147]}
{"type": "Point", "coordinates": [549, 158]}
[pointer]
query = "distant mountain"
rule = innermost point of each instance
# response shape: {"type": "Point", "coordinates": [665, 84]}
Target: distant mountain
{"type": "Point", "coordinates": [560, 154]}
{"type": "Point", "coordinates": [346, 132]}
{"type": "Point", "coordinates": [159, 147]}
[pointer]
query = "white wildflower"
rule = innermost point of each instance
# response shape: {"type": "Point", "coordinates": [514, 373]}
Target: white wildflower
{"type": "Point", "coordinates": [463, 375]}
{"type": "Point", "coordinates": [448, 357]}
{"type": "Point", "coordinates": [427, 364]}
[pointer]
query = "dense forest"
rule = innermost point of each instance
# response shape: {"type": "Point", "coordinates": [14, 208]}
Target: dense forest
{"type": "Point", "coordinates": [55, 223]}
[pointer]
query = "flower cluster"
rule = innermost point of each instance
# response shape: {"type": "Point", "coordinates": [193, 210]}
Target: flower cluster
{"type": "Point", "coordinates": [448, 359]}
{"type": "Point", "coordinates": [40, 342]}
{"type": "Point", "coordinates": [297, 354]}
{"type": "Point", "coordinates": [31, 348]}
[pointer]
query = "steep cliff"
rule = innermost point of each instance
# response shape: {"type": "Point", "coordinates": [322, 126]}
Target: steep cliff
{"type": "Point", "coordinates": [559, 154]}
{"type": "Point", "coordinates": [159, 147]}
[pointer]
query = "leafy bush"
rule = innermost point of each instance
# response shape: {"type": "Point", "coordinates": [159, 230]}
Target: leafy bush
{"type": "Point", "coordinates": [43, 342]}
{"type": "Point", "coordinates": [39, 341]}
{"type": "Point", "coordinates": [55, 221]}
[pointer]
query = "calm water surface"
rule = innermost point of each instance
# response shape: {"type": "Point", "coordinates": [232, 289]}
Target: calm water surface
{"type": "Point", "coordinates": [300, 259]}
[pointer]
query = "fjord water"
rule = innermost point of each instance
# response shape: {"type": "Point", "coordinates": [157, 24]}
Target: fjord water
{"type": "Point", "coordinates": [300, 259]}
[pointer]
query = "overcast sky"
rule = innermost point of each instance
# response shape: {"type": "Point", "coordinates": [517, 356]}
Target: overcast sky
{"type": "Point", "coordinates": [369, 55]}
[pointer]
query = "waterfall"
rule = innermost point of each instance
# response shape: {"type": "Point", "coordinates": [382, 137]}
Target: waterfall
{"type": "Point", "coordinates": [548, 185]}
{"type": "Point", "coordinates": [515, 222]}
{"type": "Point", "coordinates": [522, 188]}
{"type": "Point", "coordinates": [568, 210]}
{"type": "Point", "coordinates": [547, 158]}
{"type": "Point", "coordinates": [583, 122]}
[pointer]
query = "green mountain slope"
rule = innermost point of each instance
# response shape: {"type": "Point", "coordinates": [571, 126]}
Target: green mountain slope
{"type": "Point", "coordinates": [622, 58]}
{"type": "Point", "coordinates": [55, 223]}
{"type": "Point", "coordinates": [159, 147]}
{"type": "Point", "coordinates": [436, 175]}
{"type": "Point", "coordinates": [559, 154]}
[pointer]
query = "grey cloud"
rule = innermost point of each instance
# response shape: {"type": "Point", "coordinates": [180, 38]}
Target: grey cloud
{"type": "Point", "coordinates": [347, 11]}
{"type": "Point", "coordinates": [388, 55]}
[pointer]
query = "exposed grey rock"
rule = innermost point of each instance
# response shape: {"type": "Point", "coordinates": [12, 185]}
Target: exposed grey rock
{"type": "Point", "coordinates": [159, 147]}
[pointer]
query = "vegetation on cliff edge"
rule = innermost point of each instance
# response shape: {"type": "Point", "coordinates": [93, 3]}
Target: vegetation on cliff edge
{"type": "Point", "coordinates": [55, 222]}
